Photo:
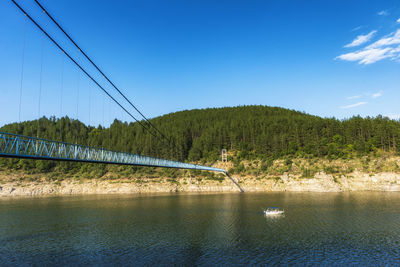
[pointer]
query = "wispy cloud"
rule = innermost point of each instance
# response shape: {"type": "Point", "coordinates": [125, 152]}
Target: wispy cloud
{"type": "Point", "coordinates": [361, 39]}
{"type": "Point", "coordinates": [366, 56]}
{"type": "Point", "coordinates": [386, 47]}
{"type": "Point", "coordinates": [356, 28]}
{"type": "Point", "coordinates": [389, 40]}
{"type": "Point", "coordinates": [354, 105]}
{"type": "Point", "coordinates": [398, 20]}
{"type": "Point", "coordinates": [363, 96]}
{"type": "Point", "coordinates": [383, 13]}
{"type": "Point", "coordinates": [366, 95]}
{"type": "Point", "coordinates": [377, 94]}
{"type": "Point", "coordinates": [353, 97]}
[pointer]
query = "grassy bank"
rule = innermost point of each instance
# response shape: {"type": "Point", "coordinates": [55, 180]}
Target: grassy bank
{"type": "Point", "coordinates": [302, 167]}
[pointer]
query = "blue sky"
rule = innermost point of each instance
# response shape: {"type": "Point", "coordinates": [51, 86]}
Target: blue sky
{"type": "Point", "coordinates": [327, 58]}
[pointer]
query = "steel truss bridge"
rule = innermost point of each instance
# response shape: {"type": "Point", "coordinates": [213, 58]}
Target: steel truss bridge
{"type": "Point", "coordinates": [19, 146]}
{"type": "Point", "coordinates": [25, 147]}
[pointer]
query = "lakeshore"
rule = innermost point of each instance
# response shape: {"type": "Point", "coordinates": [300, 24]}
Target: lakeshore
{"type": "Point", "coordinates": [320, 182]}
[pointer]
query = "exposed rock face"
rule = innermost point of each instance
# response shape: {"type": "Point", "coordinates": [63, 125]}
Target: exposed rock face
{"type": "Point", "coordinates": [321, 182]}
{"type": "Point", "coordinates": [72, 187]}
{"type": "Point", "coordinates": [377, 182]}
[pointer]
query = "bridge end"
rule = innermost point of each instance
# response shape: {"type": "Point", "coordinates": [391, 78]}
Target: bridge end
{"type": "Point", "coordinates": [234, 181]}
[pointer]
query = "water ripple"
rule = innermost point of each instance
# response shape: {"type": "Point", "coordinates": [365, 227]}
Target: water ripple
{"type": "Point", "coordinates": [212, 229]}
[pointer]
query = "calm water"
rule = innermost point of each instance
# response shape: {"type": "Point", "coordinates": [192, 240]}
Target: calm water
{"type": "Point", "coordinates": [209, 229]}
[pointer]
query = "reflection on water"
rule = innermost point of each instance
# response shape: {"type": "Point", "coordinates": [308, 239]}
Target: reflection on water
{"type": "Point", "coordinates": [202, 229]}
{"type": "Point", "coordinates": [274, 218]}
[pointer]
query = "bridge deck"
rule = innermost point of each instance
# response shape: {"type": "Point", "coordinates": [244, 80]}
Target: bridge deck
{"type": "Point", "coordinates": [19, 146]}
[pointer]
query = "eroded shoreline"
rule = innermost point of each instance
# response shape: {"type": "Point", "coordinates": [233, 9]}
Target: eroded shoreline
{"type": "Point", "coordinates": [321, 182]}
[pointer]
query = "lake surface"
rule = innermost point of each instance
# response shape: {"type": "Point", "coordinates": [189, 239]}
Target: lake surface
{"type": "Point", "coordinates": [201, 229]}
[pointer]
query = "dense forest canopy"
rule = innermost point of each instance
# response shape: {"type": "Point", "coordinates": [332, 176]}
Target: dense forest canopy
{"type": "Point", "coordinates": [251, 131]}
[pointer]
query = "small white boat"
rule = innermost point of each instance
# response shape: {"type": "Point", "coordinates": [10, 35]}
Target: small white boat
{"type": "Point", "coordinates": [273, 211]}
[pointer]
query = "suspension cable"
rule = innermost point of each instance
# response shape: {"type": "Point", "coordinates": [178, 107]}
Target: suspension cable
{"type": "Point", "coordinates": [22, 71]}
{"type": "Point", "coordinates": [101, 72]}
{"type": "Point", "coordinates": [104, 123]}
{"type": "Point", "coordinates": [40, 88]}
{"type": "Point", "coordinates": [90, 90]}
{"type": "Point", "coordinates": [77, 95]}
{"type": "Point", "coordinates": [77, 104]}
{"type": "Point", "coordinates": [109, 127]}
{"type": "Point", "coordinates": [61, 97]}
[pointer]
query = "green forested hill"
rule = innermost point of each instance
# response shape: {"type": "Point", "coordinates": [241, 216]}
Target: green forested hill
{"type": "Point", "coordinates": [252, 131]}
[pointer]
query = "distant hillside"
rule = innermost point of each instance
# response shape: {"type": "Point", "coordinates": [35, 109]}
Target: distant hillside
{"type": "Point", "coordinates": [251, 131]}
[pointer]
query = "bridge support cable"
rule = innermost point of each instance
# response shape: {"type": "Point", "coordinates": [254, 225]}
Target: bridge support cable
{"type": "Point", "coordinates": [234, 181]}
{"type": "Point", "coordinates": [110, 123]}
{"type": "Point", "coordinates": [22, 71]}
{"type": "Point", "coordinates": [77, 95]}
{"type": "Point", "coordinates": [61, 98]}
{"type": "Point", "coordinates": [89, 107]}
{"type": "Point", "coordinates": [77, 105]}
{"type": "Point", "coordinates": [100, 71]}
{"type": "Point", "coordinates": [40, 87]}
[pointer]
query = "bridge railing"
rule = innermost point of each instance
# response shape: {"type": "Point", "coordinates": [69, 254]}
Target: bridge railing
{"type": "Point", "coordinates": [20, 146]}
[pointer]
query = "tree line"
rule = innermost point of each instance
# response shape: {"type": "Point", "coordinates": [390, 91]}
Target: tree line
{"type": "Point", "coordinates": [260, 132]}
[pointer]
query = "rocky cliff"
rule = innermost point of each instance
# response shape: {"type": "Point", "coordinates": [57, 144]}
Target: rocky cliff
{"type": "Point", "coordinates": [320, 182]}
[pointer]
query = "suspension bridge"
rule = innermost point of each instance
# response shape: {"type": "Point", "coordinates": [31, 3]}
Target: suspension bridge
{"type": "Point", "coordinates": [14, 145]}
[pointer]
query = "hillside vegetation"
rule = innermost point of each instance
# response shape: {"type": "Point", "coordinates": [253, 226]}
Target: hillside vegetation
{"type": "Point", "coordinates": [261, 133]}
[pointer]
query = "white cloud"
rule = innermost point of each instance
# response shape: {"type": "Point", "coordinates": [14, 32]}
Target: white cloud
{"type": "Point", "coordinates": [361, 39]}
{"type": "Point", "coordinates": [391, 39]}
{"type": "Point", "coordinates": [354, 105]}
{"type": "Point", "coordinates": [386, 47]}
{"type": "Point", "coordinates": [356, 28]}
{"type": "Point", "coordinates": [393, 116]}
{"type": "Point", "coordinates": [366, 95]}
{"type": "Point", "coordinates": [366, 56]}
{"type": "Point", "coordinates": [377, 94]}
{"type": "Point", "coordinates": [383, 13]}
{"type": "Point", "coordinates": [353, 97]}
{"type": "Point", "coordinates": [398, 20]}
